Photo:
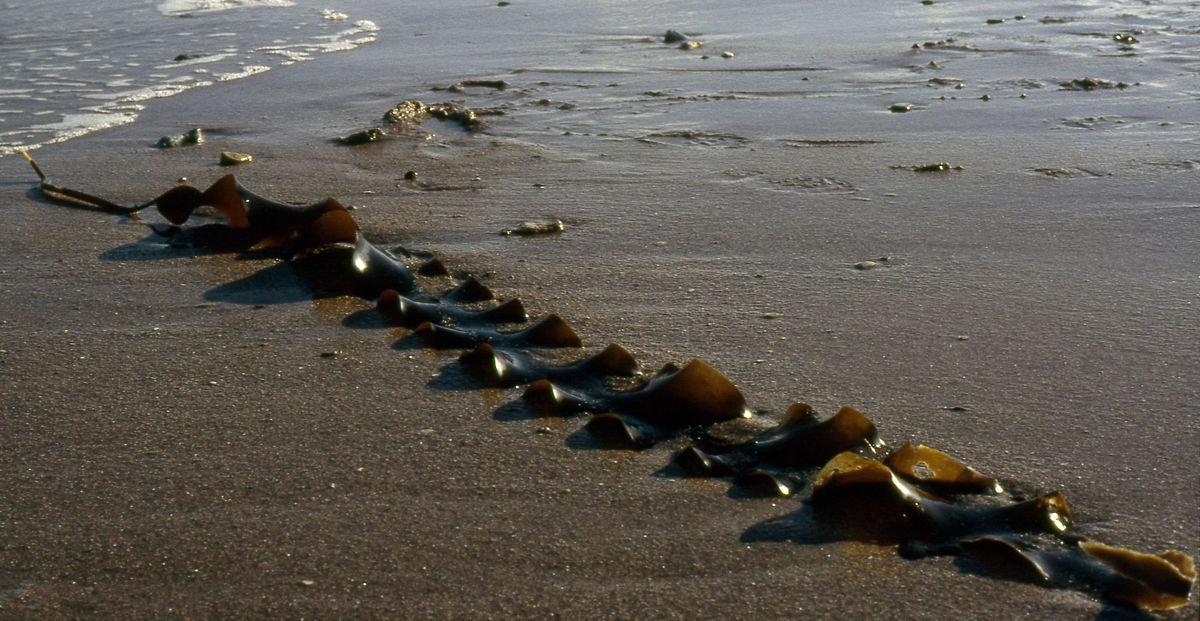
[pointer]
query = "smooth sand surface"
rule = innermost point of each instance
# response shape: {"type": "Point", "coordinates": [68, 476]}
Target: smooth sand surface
{"type": "Point", "coordinates": [174, 443]}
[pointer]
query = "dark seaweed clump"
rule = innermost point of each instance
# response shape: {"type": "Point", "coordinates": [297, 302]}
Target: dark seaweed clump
{"type": "Point", "coordinates": [921, 499]}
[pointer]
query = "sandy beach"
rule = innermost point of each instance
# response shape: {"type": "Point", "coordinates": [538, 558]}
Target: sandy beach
{"type": "Point", "coordinates": [190, 434]}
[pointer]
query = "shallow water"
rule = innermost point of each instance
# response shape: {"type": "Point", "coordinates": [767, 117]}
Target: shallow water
{"type": "Point", "coordinates": [75, 67]}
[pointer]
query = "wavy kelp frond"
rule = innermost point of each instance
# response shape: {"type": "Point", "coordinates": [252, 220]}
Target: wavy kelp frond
{"type": "Point", "coordinates": [778, 459]}
{"type": "Point", "coordinates": [937, 471]}
{"type": "Point", "coordinates": [1154, 582]}
{"type": "Point", "coordinates": [508, 367]}
{"type": "Point", "coordinates": [913, 514]}
{"type": "Point", "coordinates": [552, 331]}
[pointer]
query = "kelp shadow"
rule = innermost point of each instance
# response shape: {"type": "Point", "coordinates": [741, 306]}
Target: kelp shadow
{"type": "Point", "coordinates": [164, 243]}
{"type": "Point", "coordinates": [410, 342]}
{"type": "Point", "coordinates": [583, 440]}
{"type": "Point", "coordinates": [452, 377]}
{"type": "Point", "coordinates": [277, 284]}
{"type": "Point", "coordinates": [366, 319]}
{"type": "Point", "coordinates": [806, 527]}
{"type": "Point", "coordinates": [152, 247]}
{"type": "Point", "coordinates": [515, 411]}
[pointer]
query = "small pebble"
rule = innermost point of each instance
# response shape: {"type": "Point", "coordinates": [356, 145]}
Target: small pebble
{"type": "Point", "coordinates": [985, 98]}
{"type": "Point", "coordinates": [900, 107]}
{"type": "Point", "coordinates": [527, 229]}
{"type": "Point", "coordinates": [233, 158]}
{"type": "Point", "coordinates": [330, 354]}
{"type": "Point", "coordinates": [410, 175]}
{"type": "Point", "coordinates": [544, 431]}
{"type": "Point", "coordinates": [306, 582]}
{"type": "Point", "coordinates": [727, 54]}
{"type": "Point", "coordinates": [690, 45]}
{"type": "Point", "coordinates": [866, 265]}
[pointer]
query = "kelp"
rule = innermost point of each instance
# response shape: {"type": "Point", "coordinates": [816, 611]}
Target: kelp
{"type": "Point", "coordinates": [916, 497]}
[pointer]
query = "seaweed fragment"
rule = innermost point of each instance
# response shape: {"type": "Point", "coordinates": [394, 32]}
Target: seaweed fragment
{"type": "Point", "coordinates": [801, 441]}
{"type": "Point", "coordinates": [850, 483]}
{"type": "Point", "coordinates": [1153, 582]}
{"type": "Point", "coordinates": [695, 396]}
{"type": "Point", "coordinates": [359, 269]}
{"type": "Point", "coordinates": [469, 290]}
{"type": "Point", "coordinates": [937, 471]}
{"type": "Point", "coordinates": [550, 332]}
{"type": "Point", "coordinates": [400, 310]}
{"type": "Point", "coordinates": [513, 367]}
{"type": "Point", "coordinates": [433, 267]}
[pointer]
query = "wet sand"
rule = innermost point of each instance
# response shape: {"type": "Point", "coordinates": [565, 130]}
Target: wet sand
{"type": "Point", "coordinates": [176, 445]}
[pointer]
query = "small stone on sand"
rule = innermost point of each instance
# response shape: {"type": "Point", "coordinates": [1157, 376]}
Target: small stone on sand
{"type": "Point", "coordinates": [233, 158]}
{"type": "Point", "coordinates": [526, 229]}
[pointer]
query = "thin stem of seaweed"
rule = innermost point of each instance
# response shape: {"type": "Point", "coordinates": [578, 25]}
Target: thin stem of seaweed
{"type": "Point", "coordinates": [78, 198]}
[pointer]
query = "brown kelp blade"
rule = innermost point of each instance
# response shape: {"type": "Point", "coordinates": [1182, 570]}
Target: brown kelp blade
{"type": "Point", "coordinates": [553, 331]}
{"type": "Point", "coordinates": [804, 440]}
{"type": "Point", "coordinates": [1004, 556]}
{"type": "Point", "coordinates": [470, 290]}
{"type": "Point", "coordinates": [763, 483]}
{"type": "Point", "coordinates": [335, 225]}
{"type": "Point", "coordinates": [1151, 581]}
{"type": "Point", "coordinates": [940, 472]}
{"type": "Point", "coordinates": [913, 514]}
{"type": "Point", "coordinates": [224, 196]}
{"type": "Point", "coordinates": [178, 203]}
{"type": "Point", "coordinates": [511, 311]}
{"type": "Point", "coordinates": [613, 360]}
{"type": "Point", "coordinates": [697, 394]}
{"type": "Point", "coordinates": [847, 470]}
{"type": "Point", "coordinates": [433, 267]}
{"type": "Point", "coordinates": [546, 399]}
{"type": "Point", "coordinates": [484, 364]}
{"type": "Point", "coordinates": [614, 430]}
{"type": "Point", "coordinates": [403, 311]}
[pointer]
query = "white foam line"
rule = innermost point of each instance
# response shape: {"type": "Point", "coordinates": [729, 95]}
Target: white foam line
{"type": "Point", "coordinates": [191, 7]}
